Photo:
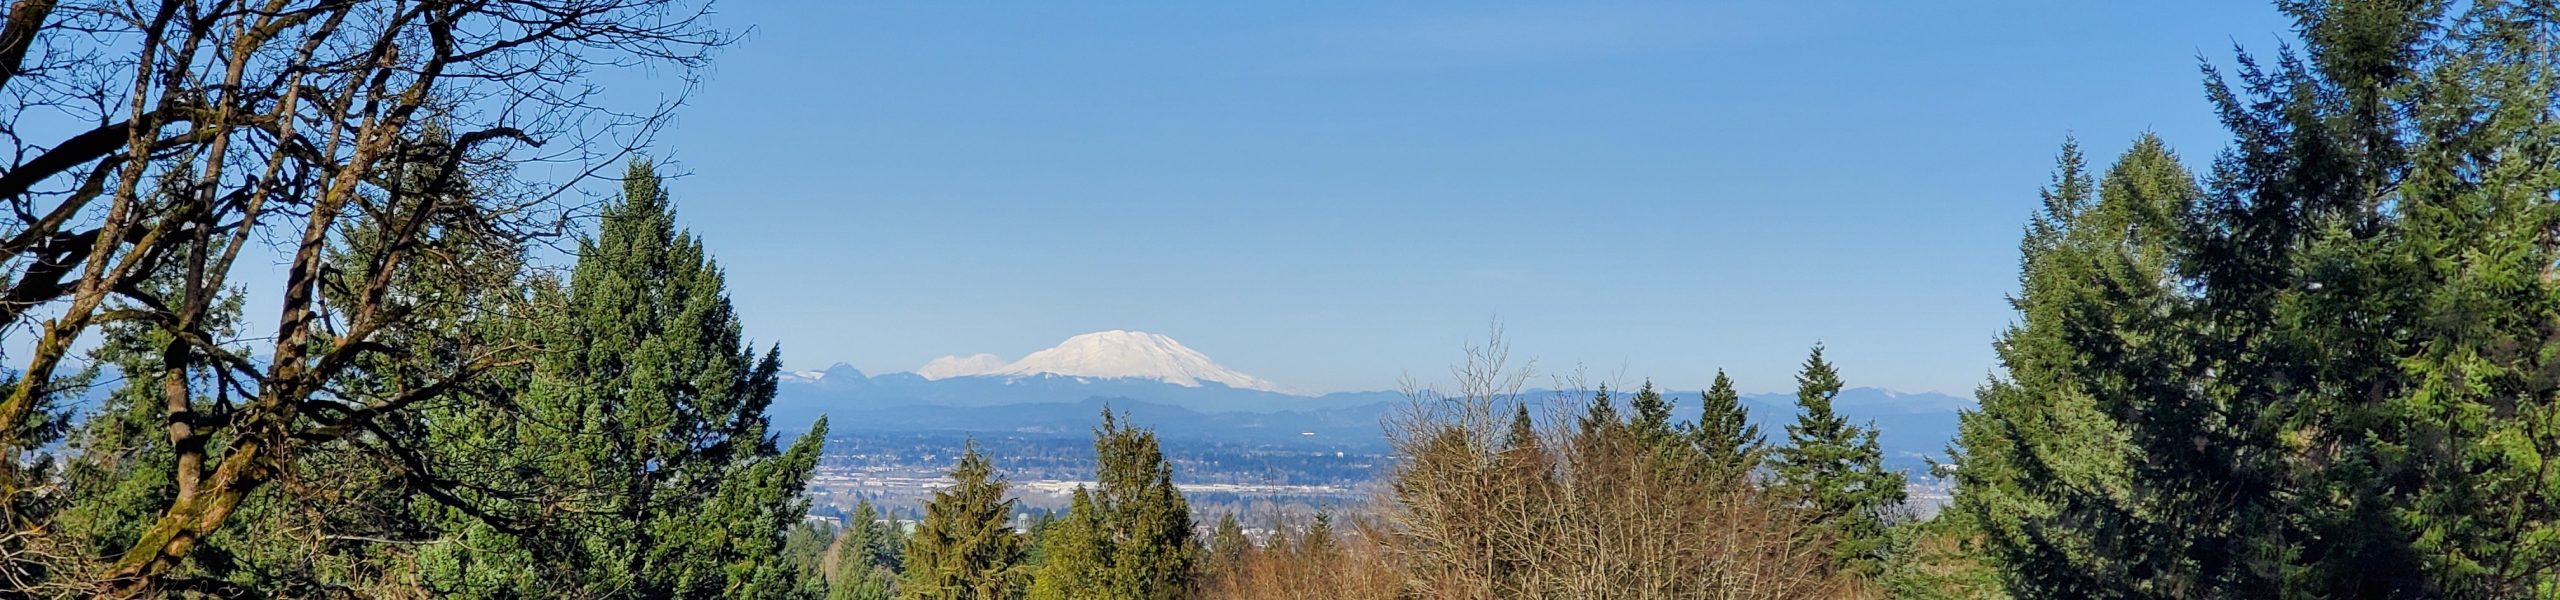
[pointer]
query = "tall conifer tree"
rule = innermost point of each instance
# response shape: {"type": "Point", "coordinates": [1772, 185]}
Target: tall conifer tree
{"type": "Point", "coordinates": [965, 549]}
{"type": "Point", "coordinates": [1728, 445]}
{"type": "Point", "coordinates": [2308, 376]}
{"type": "Point", "coordinates": [1132, 537]}
{"type": "Point", "coordinates": [647, 400]}
{"type": "Point", "coordinates": [1836, 471]}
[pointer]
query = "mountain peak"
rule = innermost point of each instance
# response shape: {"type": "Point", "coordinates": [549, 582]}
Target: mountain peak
{"type": "Point", "coordinates": [836, 372]}
{"type": "Point", "coordinates": [1114, 354]}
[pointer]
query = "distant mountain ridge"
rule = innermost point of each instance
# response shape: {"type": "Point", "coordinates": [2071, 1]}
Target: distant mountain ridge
{"type": "Point", "coordinates": [1183, 393]}
{"type": "Point", "coordinates": [1910, 427]}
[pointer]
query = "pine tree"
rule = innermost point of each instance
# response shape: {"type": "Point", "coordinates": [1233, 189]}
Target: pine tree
{"type": "Point", "coordinates": [1523, 434]}
{"type": "Point", "coordinates": [964, 549]}
{"type": "Point", "coordinates": [1726, 442]}
{"type": "Point", "coordinates": [1836, 471]}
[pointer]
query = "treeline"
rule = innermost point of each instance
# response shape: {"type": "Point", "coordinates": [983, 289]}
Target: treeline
{"type": "Point", "coordinates": [1618, 499]}
{"type": "Point", "coordinates": [2325, 367]}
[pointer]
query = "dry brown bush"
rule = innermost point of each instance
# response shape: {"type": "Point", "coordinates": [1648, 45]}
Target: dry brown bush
{"type": "Point", "coordinates": [1352, 566]}
{"type": "Point", "coordinates": [1471, 513]}
{"type": "Point", "coordinates": [1575, 513]}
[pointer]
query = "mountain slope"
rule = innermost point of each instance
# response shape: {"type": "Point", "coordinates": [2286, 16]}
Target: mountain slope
{"type": "Point", "coordinates": [1115, 354]}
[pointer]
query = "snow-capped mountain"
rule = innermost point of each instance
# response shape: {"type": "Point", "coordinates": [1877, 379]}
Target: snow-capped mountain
{"type": "Point", "coordinates": [1114, 354]}
{"type": "Point", "coordinates": [955, 366]}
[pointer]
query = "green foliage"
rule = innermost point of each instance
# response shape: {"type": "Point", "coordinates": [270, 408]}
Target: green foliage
{"type": "Point", "coordinates": [1728, 445]}
{"type": "Point", "coordinates": [1836, 472]}
{"type": "Point", "coordinates": [1939, 559]}
{"type": "Point", "coordinates": [964, 549]}
{"type": "Point", "coordinates": [318, 536]}
{"type": "Point", "coordinates": [1601, 416]}
{"type": "Point", "coordinates": [1227, 543]}
{"type": "Point", "coordinates": [866, 557]}
{"type": "Point", "coordinates": [1131, 537]}
{"type": "Point", "coordinates": [647, 409]}
{"type": "Point", "coordinates": [1650, 418]}
{"type": "Point", "coordinates": [2041, 460]}
{"type": "Point", "coordinates": [2325, 372]}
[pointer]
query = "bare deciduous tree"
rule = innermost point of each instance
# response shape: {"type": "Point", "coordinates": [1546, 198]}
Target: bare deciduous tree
{"type": "Point", "coordinates": [288, 122]}
{"type": "Point", "coordinates": [1481, 509]}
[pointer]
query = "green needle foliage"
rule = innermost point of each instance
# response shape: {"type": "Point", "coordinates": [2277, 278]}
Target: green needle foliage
{"type": "Point", "coordinates": [965, 549]}
{"type": "Point", "coordinates": [2324, 370]}
{"type": "Point", "coordinates": [867, 553]}
{"type": "Point", "coordinates": [1131, 536]}
{"type": "Point", "coordinates": [1650, 418]}
{"type": "Point", "coordinates": [1729, 447]}
{"type": "Point", "coordinates": [1835, 471]}
{"type": "Point", "coordinates": [648, 408]}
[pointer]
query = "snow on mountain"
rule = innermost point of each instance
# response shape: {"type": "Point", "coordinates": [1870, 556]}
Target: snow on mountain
{"type": "Point", "coordinates": [1114, 354]}
{"type": "Point", "coordinates": [954, 366]}
{"type": "Point", "coordinates": [837, 373]}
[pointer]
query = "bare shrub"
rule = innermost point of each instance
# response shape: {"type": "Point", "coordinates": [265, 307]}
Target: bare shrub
{"type": "Point", "coordinates": [1476, 511]}
{"type": "Point", "coordinates": [1347, 564]}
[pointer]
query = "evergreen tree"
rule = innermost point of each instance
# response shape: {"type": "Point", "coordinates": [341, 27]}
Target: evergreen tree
{"type": "Point", "coordinates": [1132, 537]}
{"type": "Point", "coordinates": [2041, 462]}
{"type": "Point", "coordinates": [1651, 421]}
{"type": "Point", "coordinates": [1601, 416]}
{"type": "Point", "coordinates": [1835, 470]}
{"type": "Point", "coordinates": [2306, 377]}
{"type": "Point", "coordinates": [1227, 544]}
{"type": "Point", "coordinates": [866, 557]}
{"type": "Point", "coordinates": [1523, 434]}
{"type": "Point", "coordinates": [1522, 449]}
{"type": "Point", "coordinates": [1318, 543]}
{"type": "Point", "coordinates": [1075, 553]}
{"type": "Point", "coordinates": [964, 549]}
{"type": "Point", "coordinates": [1728, 445]}
{"type": "Point", "coordinates": [646, 399]}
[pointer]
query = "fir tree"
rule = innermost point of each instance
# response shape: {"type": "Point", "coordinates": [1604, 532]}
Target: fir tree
{"type": "Point", "coordinates": [866, 557]}
{"type": "Point", "coordinates": [1318, 543]}
{"type": "Point", "coordinates": [1650, 422]}
{"type": "Point", "coordinates": [2305, 377]}
{"type": "Point", "coordinates": [1227, 544]}
{"type": "Point", "coordinates": [647, 399]}
{"type": "Point", "coordinates": [1728, 445]}
{"type": "Point", "coordinates": [1835, 470]}
{"type": "Point", "coordinates": [1602, 415]}
{"type": "Point", "coordinates": [1522, 449]}
{"type": "Point", "coordinates": [1132, 538]}
{"type": "Point", "coordinates": [2042, 464]}
{"type": "Point", "coordinates": [964, 549]}
{"type": "Point", "coordinates": [1075, 553]}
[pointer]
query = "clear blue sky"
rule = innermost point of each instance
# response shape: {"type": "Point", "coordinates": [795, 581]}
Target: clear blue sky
{"type": "Point", "coordinates": [1331, 195]}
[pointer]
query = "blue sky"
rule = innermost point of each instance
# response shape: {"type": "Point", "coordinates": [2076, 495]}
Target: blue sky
{"type": "Point", "coordinates": [1331, 195]}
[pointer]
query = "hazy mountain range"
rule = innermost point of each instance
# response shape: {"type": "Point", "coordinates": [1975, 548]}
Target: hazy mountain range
{"type": "Point", "coordinates": [1184, 394]}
